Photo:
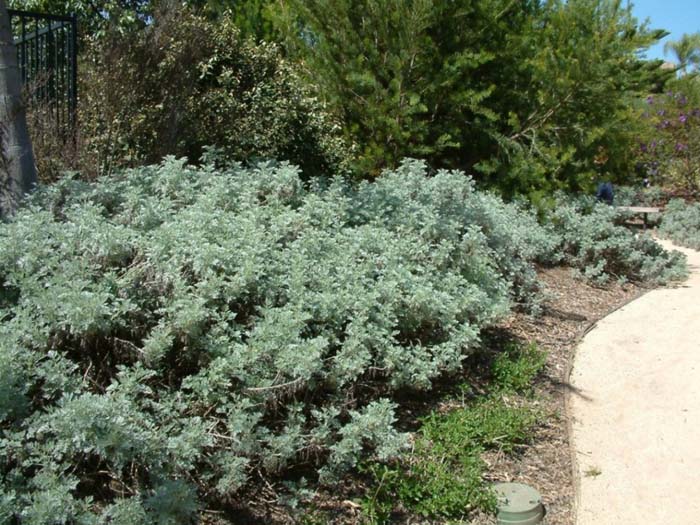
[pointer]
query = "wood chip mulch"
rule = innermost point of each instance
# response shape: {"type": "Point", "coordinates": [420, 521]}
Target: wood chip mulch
{"type": "Point", "coordinates": [571, 310]}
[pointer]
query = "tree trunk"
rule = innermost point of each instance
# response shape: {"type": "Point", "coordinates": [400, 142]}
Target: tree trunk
{"type": "Point", "coordinates": [17, 169]}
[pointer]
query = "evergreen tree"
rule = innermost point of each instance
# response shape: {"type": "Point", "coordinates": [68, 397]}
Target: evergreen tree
{"type": "Point", "coordinates": [252, 17]}
{"type": "Point", "coordinates": [523, 94]}
{"type": "Point", "coordinates": [95, 18]}
{"type": "Point", "coordinates": [406, 75]}
{"type": "Point", "coordinates": [584, 72]}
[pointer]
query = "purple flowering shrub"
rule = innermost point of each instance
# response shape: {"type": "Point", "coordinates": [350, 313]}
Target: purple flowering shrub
{"type": "Point", "coordinates": [671, 153]}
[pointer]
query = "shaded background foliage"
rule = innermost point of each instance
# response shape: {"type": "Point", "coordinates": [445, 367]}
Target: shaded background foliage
{"type": "Point", "coordinates": [523, 95]}
{"type": "Point", "coordinates": [200, 83]}
{"type": "Point", "coordinates": [160, 78]}
{"type": "Point", "coordinates": [669, 146]}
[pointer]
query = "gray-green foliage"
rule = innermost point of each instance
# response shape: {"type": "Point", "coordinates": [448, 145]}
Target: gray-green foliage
{"type": "Point", "coordinates": [167, 332]}
{"type": "Point", "coordinates": [447, 208]}
{"type": "Point", "coordinates": [681, 223]}
{"type": "Point", "coordinates": [632, 196]}
{"type": "Point", "coordinates": [171, 331]}
{"type": "Point", "coordinates": [594, 241]}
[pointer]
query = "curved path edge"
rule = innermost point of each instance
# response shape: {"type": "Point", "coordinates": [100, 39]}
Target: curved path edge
{"type": "Point", "coordinates": [634, 410]}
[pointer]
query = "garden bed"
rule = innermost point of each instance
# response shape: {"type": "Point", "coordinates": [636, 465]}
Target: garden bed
{"type": "Point", "coordinates": [183, 344]}
{"type": "Point", "coordinates": [572, 308]}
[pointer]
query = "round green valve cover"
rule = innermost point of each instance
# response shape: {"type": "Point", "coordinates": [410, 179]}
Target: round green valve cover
{"type": "Point", "coordinates": [518, 504]}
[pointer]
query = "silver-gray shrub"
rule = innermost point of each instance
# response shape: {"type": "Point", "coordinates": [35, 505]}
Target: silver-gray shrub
{"type": "Point", "coordinates": [173, 334]}
{"type": "Point", "coordinates": [595, 241]}
{"type": "Point", "coordinates": [681, 223]}
{"type": "Point", "coordinates": [639, 196]}
{"type": "Point", "coordinates": [446, 206]}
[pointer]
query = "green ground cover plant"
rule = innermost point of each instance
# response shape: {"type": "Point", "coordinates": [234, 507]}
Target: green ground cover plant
{"type": "Point", "coordinates": [515, 368]}
{"type": "Point", "coordinates": [443, 476]}
{"type": "Point", "coordinates": [681, 223]}
{"type": "Point", "coordinates": [174, 335]}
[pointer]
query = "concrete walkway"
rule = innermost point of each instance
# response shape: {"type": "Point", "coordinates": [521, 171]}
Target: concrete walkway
{"type": "Point", "coordinates": [635, 404]}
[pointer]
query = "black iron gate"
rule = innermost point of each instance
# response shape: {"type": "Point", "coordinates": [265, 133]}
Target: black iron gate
{"type": "Point", "coordinates": [47, 56]}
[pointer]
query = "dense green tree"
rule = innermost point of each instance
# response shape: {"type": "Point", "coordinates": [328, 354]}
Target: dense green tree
{"type": "Point", "coordinates": [404, 74]}
{"type": "Point", "coordinates": [573, 122]}
{"type": "Point", "coordinates": [186, 82]}
{"type": "Point", "coordinates": [670, 151]}
{"type": "Point", "coordinates": [95, 17]}
{"type": "Point", "coordinates": [522, 93]}
{"type": "Point", "coordinates": [252, 17]}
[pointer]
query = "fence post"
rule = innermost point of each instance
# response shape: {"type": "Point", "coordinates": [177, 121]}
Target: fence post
{"type": "Point", "coordinates": [34, 48]}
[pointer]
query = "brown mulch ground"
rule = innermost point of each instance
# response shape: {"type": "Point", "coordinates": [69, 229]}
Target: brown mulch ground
{"type": "Point", "coordinates": [571, 310]}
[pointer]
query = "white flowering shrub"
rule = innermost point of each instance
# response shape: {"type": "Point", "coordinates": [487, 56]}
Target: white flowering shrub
{"type": "Point", "coordinates": [170, 334]}
{"type": "Point", "coordinates": [680, 223]}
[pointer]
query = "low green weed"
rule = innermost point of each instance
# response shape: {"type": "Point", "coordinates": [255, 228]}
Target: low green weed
{"type": "Point", "coordinates": [515, 368]}
{"type": "Point", "coordinates": [443, 475]}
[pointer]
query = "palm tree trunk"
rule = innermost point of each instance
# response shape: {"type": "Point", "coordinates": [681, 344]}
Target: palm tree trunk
{"type": "Point", "coordinates": [17, 169]}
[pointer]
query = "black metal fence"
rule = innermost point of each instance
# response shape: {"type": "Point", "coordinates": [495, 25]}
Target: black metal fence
{"type": "Point", "coordinates": [47, 56]}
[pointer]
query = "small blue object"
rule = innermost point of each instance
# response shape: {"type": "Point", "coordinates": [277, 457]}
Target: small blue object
{"type": "Point", "coordinates": [605, 193]}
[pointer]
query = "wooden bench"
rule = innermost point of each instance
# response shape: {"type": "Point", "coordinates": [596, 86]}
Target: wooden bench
{"type": "Point", "coordinates": [643, 210]}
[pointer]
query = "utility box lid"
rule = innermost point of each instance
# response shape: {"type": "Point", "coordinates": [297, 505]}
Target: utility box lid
{"type": "Point", "coordinates": [518, 504]}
